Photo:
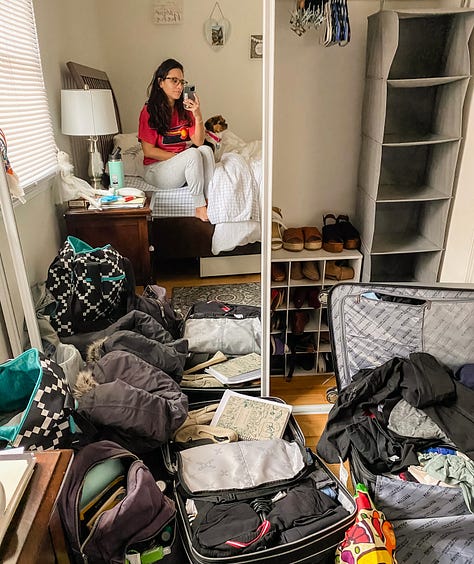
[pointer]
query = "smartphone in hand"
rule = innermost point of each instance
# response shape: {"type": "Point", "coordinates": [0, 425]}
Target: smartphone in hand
{"type": "Point", "coordinates": [188, 93]}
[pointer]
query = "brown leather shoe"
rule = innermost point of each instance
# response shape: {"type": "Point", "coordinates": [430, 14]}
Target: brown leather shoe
{"type": "Point", "coordinates": [312, 238]}
{"type": "Point", "coordinates": [313, 298]}
{"type": "Point", "coordinates": [293, 239]}
{"type": "Point", "coordinates": [299, 296]}
{"type": "Point", "coordinates": [300, 320]}
{"type": "Point", "coordinates": [296, 271]}
{"type": "Point", "coordinates": [278, 272]}
{"type": "Point", "coordinates": [310, 270]}
{"type": "Point", "coordinates": [335, 271]}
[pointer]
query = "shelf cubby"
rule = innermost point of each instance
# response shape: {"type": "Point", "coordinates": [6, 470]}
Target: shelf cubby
{"type": "Point", "coordinates": [316, 330]}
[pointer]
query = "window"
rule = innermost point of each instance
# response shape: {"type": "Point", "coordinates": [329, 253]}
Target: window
{"type": "Point", "coordinates": [24, 112]}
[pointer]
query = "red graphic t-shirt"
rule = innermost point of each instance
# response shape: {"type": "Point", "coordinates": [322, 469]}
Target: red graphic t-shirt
{"type": "Point", "coordinates": [175, 140]}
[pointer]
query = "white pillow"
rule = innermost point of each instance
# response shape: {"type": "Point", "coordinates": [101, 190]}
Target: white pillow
{"type": "Point", "coordinates": [126, 141]}
{"type": "Point", "coordinates": [132, 154]}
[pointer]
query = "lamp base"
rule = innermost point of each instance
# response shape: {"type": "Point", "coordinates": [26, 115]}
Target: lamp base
{"type": "Point", "coordinates": [96, 165]}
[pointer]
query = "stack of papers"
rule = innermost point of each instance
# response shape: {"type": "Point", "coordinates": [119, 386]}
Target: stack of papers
{"type": "Point", "coordinates": [111, 202]}
{"type": "Point", "coordinates": [237, 370]}
{"type": "Point", "coordinates": [15, 473]}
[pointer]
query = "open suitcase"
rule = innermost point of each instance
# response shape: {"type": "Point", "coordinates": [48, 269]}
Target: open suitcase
{"type": "Point", "coordinates": [228, 328]}
{"type": "Point", "coordinates": [371, 325]}
{"type": "Point", "coordinates": [314, 548]}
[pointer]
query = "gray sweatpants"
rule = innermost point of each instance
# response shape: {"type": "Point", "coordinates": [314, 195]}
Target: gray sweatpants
{"type": "Point", "coordinates": [194, 167]}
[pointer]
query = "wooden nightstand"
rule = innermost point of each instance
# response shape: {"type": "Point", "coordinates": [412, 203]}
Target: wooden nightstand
{"type": "Point", "coordinates": [125, 229]}
{"type": "Point", "coordinates": [35, 533]}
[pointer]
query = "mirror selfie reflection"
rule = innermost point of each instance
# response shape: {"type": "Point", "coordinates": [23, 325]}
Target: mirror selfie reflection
{"type": "Point", "coordinates": [192, 143]}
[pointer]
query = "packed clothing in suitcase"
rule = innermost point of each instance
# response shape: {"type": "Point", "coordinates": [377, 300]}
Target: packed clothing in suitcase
{"type": "Point", "coordinates": [254, 500]}
{"type": "Point", "coordinates": [404, 416]}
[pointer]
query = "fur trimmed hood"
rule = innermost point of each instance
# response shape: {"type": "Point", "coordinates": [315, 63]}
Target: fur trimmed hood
{"type": "Point", "coordinates": [93, 350]}
{"type": "Point", "coordinates": [85, 383]}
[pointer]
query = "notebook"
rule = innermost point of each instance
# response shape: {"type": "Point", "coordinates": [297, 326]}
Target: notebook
{"type": "Point", "coordinates": [236, 370]}
{"type": "Point", "coordinates": [251, 417]}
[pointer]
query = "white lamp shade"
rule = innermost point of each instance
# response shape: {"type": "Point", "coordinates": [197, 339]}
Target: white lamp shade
{"type": "Point", "coordinates": [88, 112]}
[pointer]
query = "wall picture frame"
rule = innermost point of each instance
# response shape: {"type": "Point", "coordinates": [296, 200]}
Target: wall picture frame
{"type": "Point", "coordinates": [168, 12]}
{"type": "Point", "coordinates": [217, 35]}
{"type": "Point", "coordinates": [256, 46]}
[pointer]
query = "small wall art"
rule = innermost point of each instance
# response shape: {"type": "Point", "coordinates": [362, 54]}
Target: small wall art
{"type": "Point", "coordinates": [168, 12]}
{"type": "Point", "coordinates": [217, 28]}
{"type": "Point", "coordinates": [256, 46]}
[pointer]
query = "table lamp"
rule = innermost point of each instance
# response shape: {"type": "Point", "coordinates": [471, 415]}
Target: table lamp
{"type": "Point", "coordinates": [89, 113]}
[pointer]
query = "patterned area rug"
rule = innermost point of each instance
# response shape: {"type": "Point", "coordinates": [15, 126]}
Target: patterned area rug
{"type": "Point", "coordinates": [247, 294]}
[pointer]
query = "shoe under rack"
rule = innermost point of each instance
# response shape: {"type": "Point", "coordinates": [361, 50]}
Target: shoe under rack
{"type": "Point", "coordinates": [300, 303]}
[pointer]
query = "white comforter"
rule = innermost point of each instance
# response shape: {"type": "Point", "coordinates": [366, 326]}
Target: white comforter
{"type": "Point", "coordinates": [234, 195]}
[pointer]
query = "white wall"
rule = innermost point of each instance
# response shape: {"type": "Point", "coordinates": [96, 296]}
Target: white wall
{"type": "Point", "coordinates": [119, 36]}
{"type": "Point", "coordinates": [227, 80]}
{"type": "Point", "coordinates": [318, 102]}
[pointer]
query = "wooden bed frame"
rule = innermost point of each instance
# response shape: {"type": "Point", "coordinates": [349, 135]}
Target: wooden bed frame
{"type": "Point", "coordinates": [176, 237]}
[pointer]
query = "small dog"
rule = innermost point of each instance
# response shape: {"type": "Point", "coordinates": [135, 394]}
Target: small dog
{"type": "Point", "coordinates": [214, 126]}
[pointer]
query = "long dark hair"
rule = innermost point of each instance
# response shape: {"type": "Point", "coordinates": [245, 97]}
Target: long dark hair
{"type": "Point", "coordinates": [158, 106]}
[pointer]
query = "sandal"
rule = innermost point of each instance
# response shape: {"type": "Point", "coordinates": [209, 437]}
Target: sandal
{"type": "Point", "coordinates": [312, 238]}
{"type": "Point", "coordinates": [277, 298]}
{"type": "Point", "coordinates": [349, 233]}
{"type": "Point", "coordinates": [332, 238]}
{"type": "Point", "coordinates": [277, 226]}
{"type": "Point", "coordinates": [293, 239]}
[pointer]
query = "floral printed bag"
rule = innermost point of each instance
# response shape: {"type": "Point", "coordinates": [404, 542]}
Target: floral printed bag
{"type": "Point", "coordinates": [371, 539]}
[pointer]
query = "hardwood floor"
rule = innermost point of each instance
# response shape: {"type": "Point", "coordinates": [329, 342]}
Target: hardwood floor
{"type": "Point", "coordinates": [302, 390]}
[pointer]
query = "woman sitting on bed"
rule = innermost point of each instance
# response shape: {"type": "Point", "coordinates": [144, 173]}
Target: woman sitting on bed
{"type": "Point", "coordinates": [167, 129]}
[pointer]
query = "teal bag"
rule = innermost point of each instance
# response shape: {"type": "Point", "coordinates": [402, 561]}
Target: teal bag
{"type": "Point", "coordinates": [35, 403]}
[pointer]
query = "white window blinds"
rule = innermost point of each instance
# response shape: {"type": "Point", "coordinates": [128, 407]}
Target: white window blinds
{"type": "Point", "coordinates": [24, 112]}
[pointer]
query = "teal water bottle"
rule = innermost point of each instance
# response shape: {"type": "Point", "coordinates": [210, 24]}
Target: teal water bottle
{"type": "Point", "coordinates": [115, 165]}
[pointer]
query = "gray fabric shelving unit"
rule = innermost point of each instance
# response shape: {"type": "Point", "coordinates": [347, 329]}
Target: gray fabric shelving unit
{"type": "Point", "coordinates": [417, 74]}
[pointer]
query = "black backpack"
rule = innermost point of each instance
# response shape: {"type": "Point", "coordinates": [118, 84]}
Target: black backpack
{"type": "Point", "coordinates": [154, 302]}
{"type": "Point", "coordinates": [111, 508]}
{"type": "Point", "coordinates": [90, 286]}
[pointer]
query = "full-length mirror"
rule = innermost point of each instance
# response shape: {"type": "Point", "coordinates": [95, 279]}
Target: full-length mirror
{"type": "Point", "coordinates": [193, 259]}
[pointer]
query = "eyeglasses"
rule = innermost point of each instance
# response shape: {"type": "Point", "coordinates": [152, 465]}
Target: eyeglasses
{"type": "Point", "coordinates": [176, 81]}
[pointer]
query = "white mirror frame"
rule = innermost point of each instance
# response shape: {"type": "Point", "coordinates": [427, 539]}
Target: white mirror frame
{"type": "Point", "coordinates": [267, 154]}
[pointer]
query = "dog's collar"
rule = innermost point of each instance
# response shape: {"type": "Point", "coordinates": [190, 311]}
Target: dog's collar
{"type": "Point", "coordinates": [213, 136]}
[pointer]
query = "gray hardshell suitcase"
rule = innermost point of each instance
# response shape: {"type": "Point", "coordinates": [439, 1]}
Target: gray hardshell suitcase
{"type": "Point", "coordinates": [316, 548]}
{"type": "Point", "coordinates": [371, 325]}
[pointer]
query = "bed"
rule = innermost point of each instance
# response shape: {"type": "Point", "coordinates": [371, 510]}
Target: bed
{"type": "Point", "coordinates": [230, 243]}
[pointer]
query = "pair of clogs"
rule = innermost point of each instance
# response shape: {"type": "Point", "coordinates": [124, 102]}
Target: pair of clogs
{"type": "Point", "coordinates": [339, 234]}
{"type": "Point", "coordinates": [299, 238]}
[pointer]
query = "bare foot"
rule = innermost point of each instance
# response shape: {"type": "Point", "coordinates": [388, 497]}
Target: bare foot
{"type": "Point", "coordinates": [201, 213]}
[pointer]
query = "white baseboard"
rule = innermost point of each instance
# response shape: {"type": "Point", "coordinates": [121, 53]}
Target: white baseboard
{"type": "Point", "coordinates": [229, 265]}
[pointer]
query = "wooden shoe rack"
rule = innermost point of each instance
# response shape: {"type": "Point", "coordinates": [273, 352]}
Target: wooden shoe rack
{"type": "Point", "coordinates": [316, 330]}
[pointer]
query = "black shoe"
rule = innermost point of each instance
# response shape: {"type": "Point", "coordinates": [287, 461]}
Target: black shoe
{"type": "Point", "coordinates": [349, 233]}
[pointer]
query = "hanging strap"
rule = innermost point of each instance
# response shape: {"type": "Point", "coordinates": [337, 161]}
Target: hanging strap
{"type": "Point", "coordinates": [216, 7]}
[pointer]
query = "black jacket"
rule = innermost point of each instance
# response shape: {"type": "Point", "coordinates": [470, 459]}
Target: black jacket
{"type": "Point", "coordinates": [358, 419]}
